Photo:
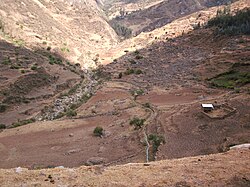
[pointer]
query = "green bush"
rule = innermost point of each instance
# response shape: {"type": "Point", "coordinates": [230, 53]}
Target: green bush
{"type": "Point", "coordinates": [229, 24]}
{"type": "Point", "coordinates": [3, 108]}
{"type": "Point", "coordinates": [147, 105]}
{"type": "Point", "coordinates": [54, 60]}
{"type": "Point", "coordinates": [7, 61]}
{"type": "Point", "coordinates": [34, 67]}
{"type": "Point", "coordinates": [71, 113]}
{"type": "Point", "coordinates": [156, 140]}
{"type": "Point", "coordinates": [231, 79]}
{"type": "Point", "coordinates": [137, 92]}
{"type": "Point", "coordinates": [2, 126]}
{"type": "Point", "coordinates": [23, 122]}
{"type": "Point", "coordinates": [138, 57]}
{"type": "Point", "coordinates": [137, 122]}
{"type": "Point", "coordinates": [130, 71]}
{"type": "Point", "coordinates": [120, 75]}
{"type": "Point", "coordinates": [121, 30]}
{"type": "Point", "coordinates": [98, 131]}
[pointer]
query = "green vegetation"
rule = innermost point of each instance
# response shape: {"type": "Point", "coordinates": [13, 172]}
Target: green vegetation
{"type": "Point", "coordinates": [65, 49]}
{"type": "Point", "coordinates": [54, 60]}
{"type": "Point", "coordinates": [98, 131]}
{"type": "Point", "coordinates": [7, 61]}
{"type": "Point", "coordinates": [14, 66]}
{"type": "Point", "coordinates": [132, 61]}
{"type": "Point", "coordinates": [137, 52]}
{"type": "Point", "coordinates": [138, 57]}
{"type": "Point", "coordinates": [2, 126]}
{"type": "Point", "coordinates": [3, 108]}
{"type": "Point", "coordinates": [34, 67]}
{"type": "Point", "coordinates": [138, 92]}
{"type": "Point", "coordinates": [19, 42]}
{"type": "Point", "coordinates": [121, 30]}
{"type": "Point", "coordinates": [60, 115]}
{"type": "Point", "coordinates": [71, 113]}
{"type": "Point", "coordinates": [146, 105]}
{"type": "Point", "coordinates": [229, 24]}
{"type": "Point", "coordinates": [23, 71]}
{"type": "Point", "coordinates": [23, 122]}
{"type": "Point", "coordinates": [130, 71]}
{"type": "Point", "coordinates": [137, 122]}
{"type": "Point", "coordinates": [156, 140]}
{"type": "Point", "coordinates": [231, 79]}
{"type": "Point", "coordinates": [120, 75]}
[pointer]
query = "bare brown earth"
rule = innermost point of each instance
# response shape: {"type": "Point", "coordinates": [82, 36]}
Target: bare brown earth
{"type": "Point", "coordinates": [174, 82]}
{"type": "Point", "coordinates": [173, 86]}
{"type": "Point", "coordinates": [226, 169]}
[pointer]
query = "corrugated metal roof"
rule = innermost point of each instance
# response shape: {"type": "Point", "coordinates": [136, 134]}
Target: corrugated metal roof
{"type": "Point", "coordinates": [207, 105]}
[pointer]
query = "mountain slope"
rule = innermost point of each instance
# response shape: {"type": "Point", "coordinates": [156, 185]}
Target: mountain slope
{"type": "Point", "coordinates": [147, 19]}
{"type": "Point", "coordinates": [75, 29]}
{"type": "Point", "coordinates": [227, 169]}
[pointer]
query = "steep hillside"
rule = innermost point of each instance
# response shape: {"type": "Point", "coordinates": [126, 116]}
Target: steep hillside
{"type": "Point", "coordinates": [227, 169]}
{"type": "Point", "coordinates": [77, 30]}
{"type": "Point", "coordinates": [159, 14]}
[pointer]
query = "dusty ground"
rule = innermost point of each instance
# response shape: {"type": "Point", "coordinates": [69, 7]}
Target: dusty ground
{"type": "Point", "coordinates": [226, 169]}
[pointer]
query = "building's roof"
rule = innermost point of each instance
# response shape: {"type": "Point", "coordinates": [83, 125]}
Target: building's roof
{"type": "Point", "coordinates": [207, 105]}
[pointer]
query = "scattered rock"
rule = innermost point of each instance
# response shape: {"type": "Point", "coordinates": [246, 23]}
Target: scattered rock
{"type": "Point", "coordinates": [95, 161]}
{"type": "Point", "coordinates": [71, 135]}
{"type": "Point", "coordinates": [19, 170]}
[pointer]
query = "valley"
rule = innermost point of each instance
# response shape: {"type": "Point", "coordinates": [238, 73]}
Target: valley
{"type": "Point", "coordinates": [145, 92]}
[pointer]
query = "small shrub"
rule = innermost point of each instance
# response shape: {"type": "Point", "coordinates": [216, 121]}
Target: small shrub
{"type": "Point", "coordinates": [147, 105]}
{"type": "Point", "coordinates": [48, 48]}
{"type": "Point", "coordinates": [98, 131]}
{"type": "Point", "coordinates": [137, 92]}
{"type": "Point", "coordinates": [3, 108]}
{"type": "Point", "coordinates": [129, 71]}
{"type": "Point", "coordinates": [13, 66]}
{"type": "Point", "coordinates": [34, 67]}
{"type": "Point", "coordinates": [138, 57]}
{"type": "Point", "coordinates": [2, 126]}
{"type": "Point", "coordinates": [138, 72]}
{"type": "Point", "coordinates": [71, 113]}
{"type": "Point", "coordinates": [137, 52]}
{"type": "Point", "coordinates": [54, 60]}
{"type": "Point", "coordinates": [22, 71]}
{"type": "Point", "coordinates": [7, 61]}
{"type": "Point", "coordinates": [65, 49]}
{"type": "Point", "coordinates": [132, 61]}
{"type": "Point", "coordinates": [120, 75]}
{"type": "Point", "coordinates": [137, 122]}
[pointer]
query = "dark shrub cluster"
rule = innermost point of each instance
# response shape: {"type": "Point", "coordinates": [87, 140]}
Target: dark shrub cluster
{"type": "Point", "coordinates": [121, 30]}
{"type": "Point", "coordinates": [229, 24]}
